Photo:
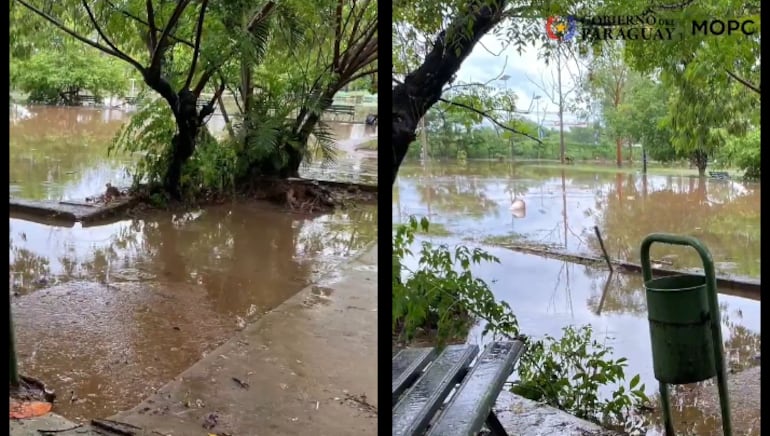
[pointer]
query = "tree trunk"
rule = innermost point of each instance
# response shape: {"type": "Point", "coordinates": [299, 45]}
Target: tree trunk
{"type": "Point", "coordinates": [619, 151]}
{"type": "Point", "coordinates": [700, 159]}
{"type": "Point", "coordinates": [182, 148]}
{"type": "Point", "coordinates": [422, 88]}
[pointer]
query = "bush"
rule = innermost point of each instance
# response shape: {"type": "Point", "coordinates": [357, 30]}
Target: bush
{"type": "Point", "coordinates": [567, 373]}
{"type": "Point", "coordinates": [437, 298]}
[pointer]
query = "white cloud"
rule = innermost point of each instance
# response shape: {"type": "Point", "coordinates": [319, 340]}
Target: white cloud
{"type": "Point", "coordinates": [486, 64]}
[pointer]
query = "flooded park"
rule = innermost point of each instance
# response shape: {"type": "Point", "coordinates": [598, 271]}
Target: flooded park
{"type": "Point", "coordinates": [471, 203]}
{"type": "Point", "coordinates": [106, 314]}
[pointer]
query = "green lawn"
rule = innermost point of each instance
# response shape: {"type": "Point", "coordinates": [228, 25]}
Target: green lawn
{"type": "Point", "coordinates": [652, 169]}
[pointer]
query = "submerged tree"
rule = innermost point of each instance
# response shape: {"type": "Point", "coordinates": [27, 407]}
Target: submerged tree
{"type": "Point", "coordinates": [157, 28]}
{"type": "Point", "coordinates": [282, 93]}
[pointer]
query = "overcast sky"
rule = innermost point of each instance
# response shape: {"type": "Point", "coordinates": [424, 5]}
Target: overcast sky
{"type": "Point", "coordinates": [484, 65]}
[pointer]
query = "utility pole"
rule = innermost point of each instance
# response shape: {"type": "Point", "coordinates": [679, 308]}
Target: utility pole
{"type": "Point", "coordinates": [562, 150]}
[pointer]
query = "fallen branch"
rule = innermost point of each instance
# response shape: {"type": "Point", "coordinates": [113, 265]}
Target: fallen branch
{"type": "Point", "coordinates": [604, 250]}
{"type": "Point", "coordinates": [61, 430]}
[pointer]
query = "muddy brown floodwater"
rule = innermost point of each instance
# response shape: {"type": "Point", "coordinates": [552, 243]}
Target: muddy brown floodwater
{"type": "Point", "coordinates": [470, 204]}
{"type": "Point", "coordinates": [107, 314]}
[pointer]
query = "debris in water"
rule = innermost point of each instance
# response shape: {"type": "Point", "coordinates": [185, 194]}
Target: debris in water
{"type": "Point", "coordinates": [115, 427]}
{"type": "Point", "coordinates": [241, 383]}
{"type": "Point", "coordinates": [211, 420]}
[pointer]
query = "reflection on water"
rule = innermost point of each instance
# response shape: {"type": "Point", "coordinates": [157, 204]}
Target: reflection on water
{"type": "Point", "coordinates": [61, 153]}
{"type": "Point", "coordinates": [106, 314]}
{"type": "Point", "coordinates": [144, 298]}
{"type": "Point", "coordinates": [563, 206]}
{"type": "Point", "coordinates": [561, 209]}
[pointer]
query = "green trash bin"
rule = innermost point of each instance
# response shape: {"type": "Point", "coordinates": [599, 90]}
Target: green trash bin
{"type": "Point", "coordinates": [680, 329]}
{"type": "Point", "coordinates": [685, 327]}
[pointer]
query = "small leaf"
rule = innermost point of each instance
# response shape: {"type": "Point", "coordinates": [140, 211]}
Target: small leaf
{"type": "Point", "coordinates": [634, 381]}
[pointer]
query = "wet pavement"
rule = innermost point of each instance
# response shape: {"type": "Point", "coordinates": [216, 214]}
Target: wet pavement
{"type": "Point", "coordinates": [471, 204]}
{"type": "Point", "coordinates": [289, 373]}
{"type": "Point", "coordinates": [107, 314]}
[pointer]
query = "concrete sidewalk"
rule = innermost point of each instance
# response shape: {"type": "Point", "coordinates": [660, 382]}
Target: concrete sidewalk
{"type": "Point", "coordinates": [307, 367]}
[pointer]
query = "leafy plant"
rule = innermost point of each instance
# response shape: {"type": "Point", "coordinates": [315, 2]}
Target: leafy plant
{"type": "Point", "coordinates": [568, 373]}
{"type": "Point", "coordinates": [442, 295]}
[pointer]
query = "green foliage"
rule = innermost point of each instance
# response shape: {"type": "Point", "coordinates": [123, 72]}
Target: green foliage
{"type": "Point", "coordinates": [55, 76]}
{"type": "Point", "coordinates": [441, 295]}
{"type": "Point", "coordinates": [745, 153]}
{"type": "Point", "coordinates": [568, 373]}
{"type": "Point", "coordinates": [149, 133]}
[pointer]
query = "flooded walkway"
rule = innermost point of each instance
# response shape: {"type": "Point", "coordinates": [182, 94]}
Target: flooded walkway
{"type": "Point", "coordinates": [108, 314]}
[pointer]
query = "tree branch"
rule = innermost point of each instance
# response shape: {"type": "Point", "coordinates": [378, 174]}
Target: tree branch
{"type": "Point", "coordinates": [208, 109]}
{"type": "Point", "coordinates": [197, 48]}
{"type": "Point", "coordinates": [362, 74]}
{"type": "Point", "coordinates": [490, 118]}
{"type": "Point", "coordinates": [337, 35]}
{"type": "Point", "coordinates": [70, 32]}
{"type": "Point", "coordinates": [151, 23]}
{"type": "Point", "coordinates": [160, 46]}
{"type": "Point", "coordinates": [260, 16]}
{"type": "Point", "coordinates": [101, 33]}
{"type": "Point", "coordinates": [743, 82]}
{"type": "Point", "coordinates": [205, 77]}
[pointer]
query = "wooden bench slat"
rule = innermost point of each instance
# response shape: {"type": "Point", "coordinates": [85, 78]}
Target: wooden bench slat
{"type": "Point", "coordinates": [413, 412]}
{"type": "Point", "coordinates": [472, 403]}
{"type": "Point", "coordinates": [407, 366]}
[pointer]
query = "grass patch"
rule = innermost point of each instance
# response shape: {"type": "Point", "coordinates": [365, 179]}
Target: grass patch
{"type": "Point", "coordinates": [501, 239]}
{"type": "Point", "coordinates": [369, 145]}
{"type": "Point", "coordinates": [435, 229]}
{"type": "Point", "coordinates": [653, 169]}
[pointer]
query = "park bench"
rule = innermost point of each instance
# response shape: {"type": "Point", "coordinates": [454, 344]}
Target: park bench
{"type": "Point", "coordinates": [719, 175]}
{"type": "Point", "coordinates": [339, 109]}
{"type": "Point", "coordinates": [90, 99]}
{"type": "Point", "coordinates": [423, 379]}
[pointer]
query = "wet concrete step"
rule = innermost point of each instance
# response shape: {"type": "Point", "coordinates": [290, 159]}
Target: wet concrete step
{"type": "Point", "coordinates": [66, 212]}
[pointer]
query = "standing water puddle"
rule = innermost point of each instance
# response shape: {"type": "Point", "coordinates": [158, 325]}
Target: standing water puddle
{"type": "Point", "coordinates": [107, 314]}
{"type": "Point", "coordinates": [547, 294]}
